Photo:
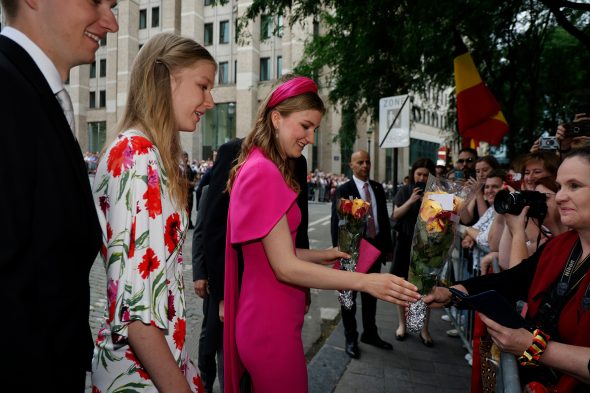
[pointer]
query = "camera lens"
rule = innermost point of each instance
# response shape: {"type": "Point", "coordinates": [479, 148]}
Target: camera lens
{"type": "Point", "coordinates": [514, 202]}
{"type": "Point", "coordinates": [503, 202]}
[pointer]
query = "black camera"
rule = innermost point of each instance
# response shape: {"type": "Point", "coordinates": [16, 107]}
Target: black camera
{"type": "Point", "coordinates": [578, 128]}
{"type": "Point", "coordinates": [514, 202]}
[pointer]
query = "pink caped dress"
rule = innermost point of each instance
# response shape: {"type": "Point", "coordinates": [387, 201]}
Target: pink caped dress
{"type": "Point", "coordinates": [263, 318]}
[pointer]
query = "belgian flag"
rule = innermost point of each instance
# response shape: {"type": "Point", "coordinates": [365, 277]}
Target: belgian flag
{"type": "Point", "coordinates": [478, 112]}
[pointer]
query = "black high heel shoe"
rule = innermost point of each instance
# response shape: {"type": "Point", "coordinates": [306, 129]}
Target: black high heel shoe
{"type": "Point", "coordinates": [400, 337]}
{"type": "Point", "coordinates": [426, 341]}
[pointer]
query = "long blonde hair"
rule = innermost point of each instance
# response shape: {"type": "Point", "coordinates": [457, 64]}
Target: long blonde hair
{"type": "Point", "coordinates": [149, 101]}
{"type": "Point", "coordinates": [263, 132]}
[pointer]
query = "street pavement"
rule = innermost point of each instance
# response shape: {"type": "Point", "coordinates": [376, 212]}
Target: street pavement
{"type": "Point", "coordinates": [410, 367]}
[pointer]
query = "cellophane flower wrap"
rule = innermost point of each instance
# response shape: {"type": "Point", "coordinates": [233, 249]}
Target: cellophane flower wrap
{"type": "Point", "coordinates": [352, 215]}
{"type": "Point", "coordinates": [434, 235]}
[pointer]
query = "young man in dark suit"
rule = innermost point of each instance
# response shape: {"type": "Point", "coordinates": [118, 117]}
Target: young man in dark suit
{"type": "Point", "coordinates": [378, 233]}
{"type": "Point", "coordinates": [49, 229]}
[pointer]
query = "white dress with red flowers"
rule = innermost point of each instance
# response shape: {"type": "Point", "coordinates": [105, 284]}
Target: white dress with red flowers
{"type": "Point", "coordinates": [143, 233]}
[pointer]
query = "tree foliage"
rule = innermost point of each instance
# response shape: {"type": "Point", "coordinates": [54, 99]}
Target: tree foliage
{"type": "Point", "coordinates": [531, 53]}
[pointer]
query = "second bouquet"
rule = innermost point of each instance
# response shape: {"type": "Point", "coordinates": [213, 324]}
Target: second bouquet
{"type": "Point", "coordinates": [434, 234]}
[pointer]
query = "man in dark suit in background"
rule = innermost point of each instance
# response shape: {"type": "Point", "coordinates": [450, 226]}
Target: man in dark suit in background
{"type": "Point", "coordinates": [378, 233]}
{"type": "Point", "coordinates": [208, 281]}
{"type": "Point", "coordinates": [49, 229]}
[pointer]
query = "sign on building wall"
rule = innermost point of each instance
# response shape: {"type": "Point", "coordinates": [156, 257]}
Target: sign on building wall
{"type": "Point", "coordinates": [394, 121]}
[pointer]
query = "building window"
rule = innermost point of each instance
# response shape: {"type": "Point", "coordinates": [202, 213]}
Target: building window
{"type": "Point", "coordinates": [279, 66]}
{"type": "Point", "coordinates": [316, 28]}
{"type": "Point", "coordinates": [265, 68]}
{"type": "Point", "coordinates": [218, 127]}
{"type": "Point", "coordinates": [235, 71]}
{"type": "Point", "coordinates": [280, 26]}
{"type": "Point", "coordinates": [142, 19]}
{"type": "Point", "coordinates": [102, 99]}
{"type": "Point", "coordinates": [97, 135]}
{"type": "Point", "coordinates": [223, 73]}
{"type": "Point", "coordinates": [208, 34]}
{"type": "Point", "coordinates": [92, 100]}
{"type": "Point", "coordinates": [103, 68]}
{"type": "Point", "coordinates": [208, 2]}
{"type": "Point", "coordinates": [265, 27]}
{"type": "Point", "coordinates": [224, 32]}
{"type": "Point", "coordinates": [103, 41]}
{"type": "Point", "coordinates": [93, 70]}
{"type": "Point", "coordinates": [155, 16]}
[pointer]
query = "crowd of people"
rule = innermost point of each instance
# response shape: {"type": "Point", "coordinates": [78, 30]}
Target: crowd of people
{"type": "Point", "coordinates": [251, 260]}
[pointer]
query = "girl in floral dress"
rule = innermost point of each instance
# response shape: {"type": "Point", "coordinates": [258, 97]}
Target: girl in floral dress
{"type": "Point", "coordinates": [141, 200]}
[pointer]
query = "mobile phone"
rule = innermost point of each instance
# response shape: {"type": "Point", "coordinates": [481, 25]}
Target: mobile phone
{"type": "Point", "coordinates": [421, 185]}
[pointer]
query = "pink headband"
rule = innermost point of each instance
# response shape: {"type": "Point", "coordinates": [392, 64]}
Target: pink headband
{"type": "Point", "coordinates": [292, 88]}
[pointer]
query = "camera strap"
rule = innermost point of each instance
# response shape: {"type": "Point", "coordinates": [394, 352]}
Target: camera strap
{"type": "Point", "coordinates": [573, 273]}
{"type": "Point", "coordinates": [553, 302]}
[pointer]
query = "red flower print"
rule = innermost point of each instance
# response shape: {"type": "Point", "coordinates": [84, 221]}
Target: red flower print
{"type": "Point", "coordinates": [109, 232]}
{"type": "Point", "coordinates": [179, 333]}
{"type": "Point", "coordinates": [95, 389]}
{"type": "Point", "coordinates": [125, 314]}
{"type": "Point", "coordinates": [103, 250]}
{"type": "Point", "coordinates": [103, 201]}
{"type": "Point", "coordinates": [112, 288]}
{"type": "Point", "coordinates": [138, 367]}
{"type": "Point", "coordinates": [131, 252]}
{"type": "Point", "coordinates": [120, 157]}
{"type": "Point", "coordinates": [198, 384]}
{"type": "Point", "coordinates": [171, 309]}
{"type": "Point", "coordinates": [149, 264]}
{"type": "Point", "coordinates": [140, 145]}
{"type": "Point", "coordinates": [172, 232]}
{"type": "Point", "coordinates": [152, 195]}
{"type": "Point", "coordinates": [101, 336]}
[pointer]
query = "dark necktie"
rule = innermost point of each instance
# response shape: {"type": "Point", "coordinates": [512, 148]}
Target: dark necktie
{"type": "Point", "coordinates": [371, 231]}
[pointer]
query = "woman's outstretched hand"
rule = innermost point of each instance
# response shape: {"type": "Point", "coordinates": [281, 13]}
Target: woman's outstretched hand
{"type": "Point", "coordinates": [439, 297]}
{"type": "Point", "coordinates": [390, 288]}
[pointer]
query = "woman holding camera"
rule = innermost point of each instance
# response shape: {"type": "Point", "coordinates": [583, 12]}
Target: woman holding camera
{"type": "Point", "coordinates": [518, 245]}
{"type": "Point", "coordinates": [406, 206]}
{"type": "Point", "coordinates": [555, 283]}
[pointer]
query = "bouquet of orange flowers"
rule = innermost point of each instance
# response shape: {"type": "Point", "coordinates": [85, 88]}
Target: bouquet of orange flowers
{"type": "Point", "coordinates": [352, 215]}
{"type": "Point", "coordinates": [434, 234]}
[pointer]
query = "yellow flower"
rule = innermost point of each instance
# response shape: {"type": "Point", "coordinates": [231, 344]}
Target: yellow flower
{"type": "Point", "coordinates": [429, 208]}
{"type": "Point", "coordinates": [359, 207]}
{"type": "Point", "coordinates": [435, 225]}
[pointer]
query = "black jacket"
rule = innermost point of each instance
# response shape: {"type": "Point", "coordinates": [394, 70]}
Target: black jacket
{"type": "Point", "coordinates": [49, 231]}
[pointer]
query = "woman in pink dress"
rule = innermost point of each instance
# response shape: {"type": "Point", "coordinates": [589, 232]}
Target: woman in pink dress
{"type": "Point", "coordinates": [264, 312]}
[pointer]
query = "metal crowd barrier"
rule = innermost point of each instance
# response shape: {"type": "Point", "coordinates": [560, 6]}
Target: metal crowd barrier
{"type": "Point", "coordinates": [507, 378]}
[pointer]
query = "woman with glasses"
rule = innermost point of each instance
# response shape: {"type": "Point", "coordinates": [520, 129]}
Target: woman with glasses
{"type": "Point", "coordinates": [555, 283]}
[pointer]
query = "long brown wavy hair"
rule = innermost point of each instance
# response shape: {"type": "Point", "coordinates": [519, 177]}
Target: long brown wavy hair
{"type": "Point", "coordinates": [149, 101]}
{"type": "Point", "coordinates": [263, 133]}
